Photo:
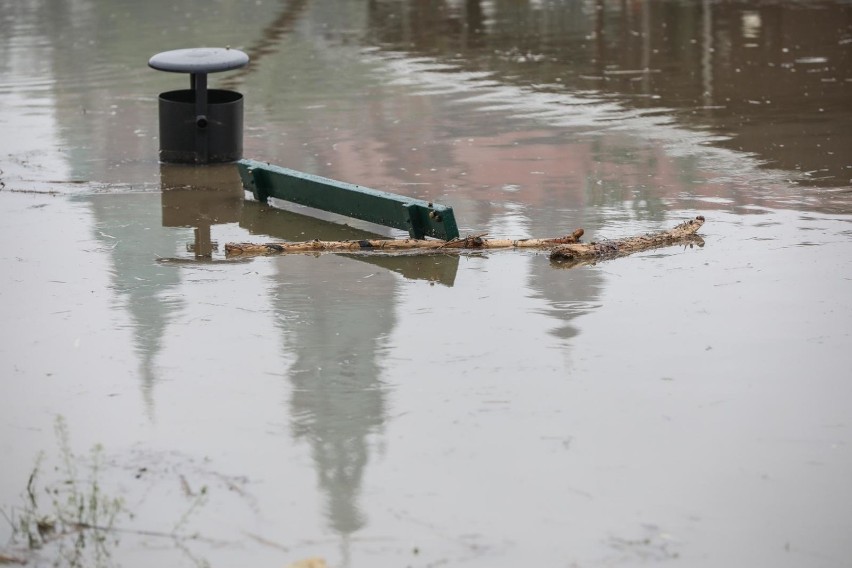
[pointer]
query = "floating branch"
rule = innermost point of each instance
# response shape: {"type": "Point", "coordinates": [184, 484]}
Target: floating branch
{"type": "Point", "coordinates": [567, 248]}
{"type": "Point", "coordinates": [577, 253]}
{"type": "Point", "coordinates": [473, 242]}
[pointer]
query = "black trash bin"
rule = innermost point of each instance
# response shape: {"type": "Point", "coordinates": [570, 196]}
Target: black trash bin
{"type": "Point", "coordinates": [200, 125]}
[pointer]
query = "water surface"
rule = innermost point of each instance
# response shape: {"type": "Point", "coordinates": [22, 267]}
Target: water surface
{"type": "Point", "coordinates": [493, 409]}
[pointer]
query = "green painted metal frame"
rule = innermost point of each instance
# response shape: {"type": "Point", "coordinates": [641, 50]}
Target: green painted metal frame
{"type": "Point", "coordinates": [420, 218]}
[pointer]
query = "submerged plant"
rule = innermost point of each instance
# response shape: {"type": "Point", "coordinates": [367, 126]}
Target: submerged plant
{"type": "Point", "coordinates": [69, 519]}
{"type": "Point", "coordinates": [80, 520]}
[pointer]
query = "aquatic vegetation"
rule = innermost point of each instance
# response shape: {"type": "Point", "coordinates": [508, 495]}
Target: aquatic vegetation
{"type": "Point", "coordinates": [70, 512]}
{"type": "Point", "coordinates": [67, 517]}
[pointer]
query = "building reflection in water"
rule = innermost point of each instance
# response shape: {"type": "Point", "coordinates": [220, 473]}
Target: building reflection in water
{"type": "Point", "coordinates": [769, 78]}
{"type": "Point", "coordinates": [335, 313]}
{"type": "Point", "coordinates": [335, 316]}
{"type": "Point", "coordinates": [143, 288]}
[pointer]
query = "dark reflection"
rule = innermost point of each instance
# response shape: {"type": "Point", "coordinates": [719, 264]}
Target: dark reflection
{"type": "Point", "coordinates": [200, 197]}
{"type": "Point", "coordinates": [770, 78]}
{"type": "Point", "coordinates": [286, 225]}
{"type": "Point", "coordinates": [439, 24]}
{"type": "Point", "coordinates": [270, 38]}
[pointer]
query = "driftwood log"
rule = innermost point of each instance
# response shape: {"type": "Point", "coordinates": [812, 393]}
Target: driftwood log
{"type": "Point", "coordinates": [603, 250]}
{"type": "Point", "coordinates": [473, 242]}
{"type": "Point", "coordinates": [563, 249]}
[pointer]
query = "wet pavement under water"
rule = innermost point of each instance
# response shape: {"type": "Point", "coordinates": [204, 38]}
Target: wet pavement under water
{"type": "Point", "coordinates": [685, 404]}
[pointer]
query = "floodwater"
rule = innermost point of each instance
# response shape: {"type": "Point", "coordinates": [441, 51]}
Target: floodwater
{"type": "Point", "coordinates": [685, 405]}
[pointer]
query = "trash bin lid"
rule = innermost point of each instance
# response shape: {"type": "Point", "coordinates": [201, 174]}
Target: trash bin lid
{"type": "Point", "coordinates": [199, 60]}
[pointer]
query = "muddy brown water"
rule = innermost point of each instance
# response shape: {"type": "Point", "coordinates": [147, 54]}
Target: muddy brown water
{"type": "Point", "coordinates": [476, 410]}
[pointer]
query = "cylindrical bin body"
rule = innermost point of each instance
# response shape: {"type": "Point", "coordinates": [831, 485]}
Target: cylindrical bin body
{"type": "Point", "coordinates": [189, 138]}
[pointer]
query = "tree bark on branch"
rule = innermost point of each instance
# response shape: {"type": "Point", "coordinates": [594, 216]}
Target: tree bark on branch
{"type": "Point", "coordinates": [604, 250]}
{"type": "Point", "coordinates": [563, 249]}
